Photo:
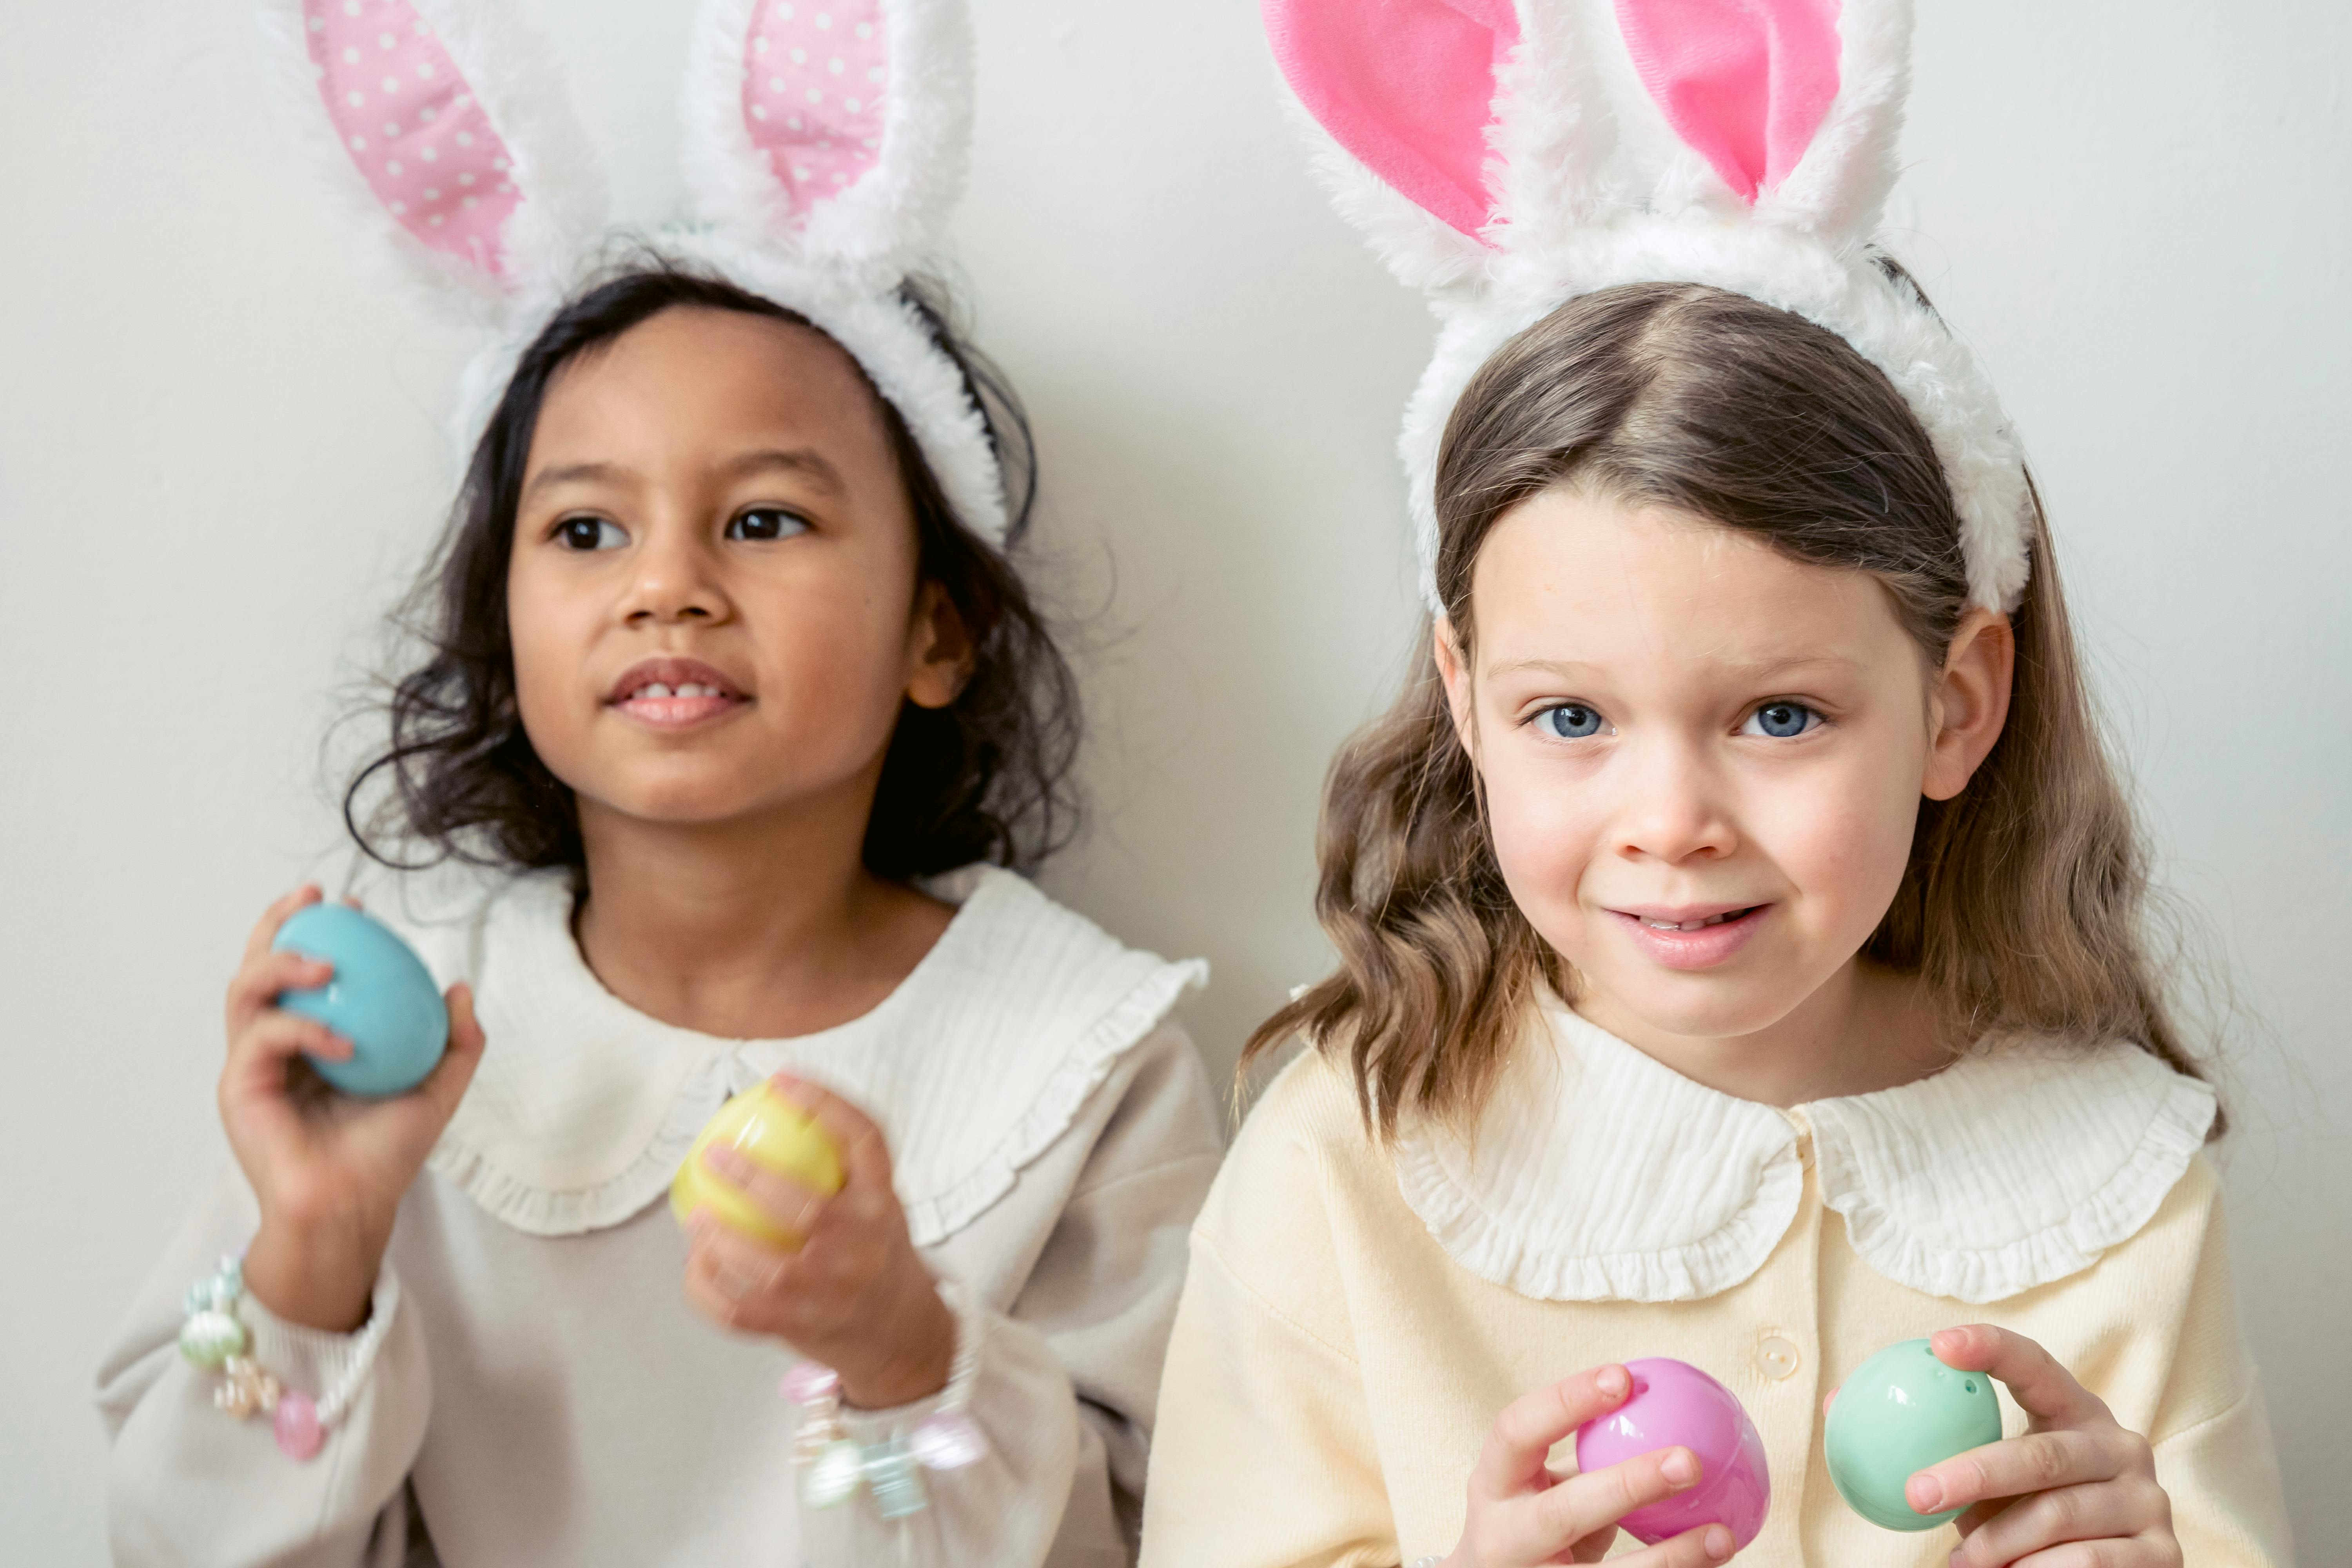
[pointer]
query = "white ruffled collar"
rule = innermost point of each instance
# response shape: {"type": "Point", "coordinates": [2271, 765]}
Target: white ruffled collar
{"type": "Point", "coordinates": [1598, 1174]}
{"type": "Point", "coordinates": [583, 1106]}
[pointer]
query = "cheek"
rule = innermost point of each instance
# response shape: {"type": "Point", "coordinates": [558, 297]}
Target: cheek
{"type": "Point", "coordinates": [1544, 830]}
{"type": "Point", "coordinates": [837, 648]}
{"type": "Point", "coordinates": [1843, 835]}
{"type": "Point", "coordinates": [548, 651]}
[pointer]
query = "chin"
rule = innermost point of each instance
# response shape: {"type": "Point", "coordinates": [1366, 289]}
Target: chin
{"type": "Point", "coordinates": [1715, 1008]}
{"type": "Point", "coordinates": [676, 802]}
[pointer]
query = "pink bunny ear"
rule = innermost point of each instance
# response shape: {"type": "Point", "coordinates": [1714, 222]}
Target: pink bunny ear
{"type": "Point", "coordinates": [440, 127]}
{"type": "Point", "coordinates": [1406, 86]}
{"type": "Point", "coordinates": [815, 79]}
{"type": "Point", "coordinates": [417, 134]}
{"type": "Point", "coordinates": [1745, 83]}
{"type": "Point", "coordinates": [830, 132]}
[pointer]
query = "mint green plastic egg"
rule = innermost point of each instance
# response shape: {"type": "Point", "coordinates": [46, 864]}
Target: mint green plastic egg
{"type": "Point", "coordinates": [1903, 1411]}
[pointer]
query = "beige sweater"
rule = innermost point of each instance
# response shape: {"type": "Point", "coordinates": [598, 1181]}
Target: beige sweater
{"type": "Point", "coordinates": [532, 1388]}
{"type": "Point", "coordinates": [1353, 1322]}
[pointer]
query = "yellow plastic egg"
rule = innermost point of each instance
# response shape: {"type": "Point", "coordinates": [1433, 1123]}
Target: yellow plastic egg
{"type": "Point", "coordinates": [771, 1133]}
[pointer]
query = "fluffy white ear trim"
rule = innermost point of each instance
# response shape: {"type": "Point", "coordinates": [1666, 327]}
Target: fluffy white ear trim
{"type": "Point", "coordinates": [890, 342]}
{"type": "Point", "coordinates": [1880, 317]}
{"type": "Point", "coordinates": [1422, 250]}
{"type": "Point", "coordinates": [1745, 144]}
{"type": "Point", "coordinates": [440, 128]}
{"type": "Point", "coordinates": [1839, 189]}
{"type": "Point", "coordinates": [833, 131]}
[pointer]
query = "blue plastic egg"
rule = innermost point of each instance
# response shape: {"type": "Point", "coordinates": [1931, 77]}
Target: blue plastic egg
{"type": "Point", "coordinates": [381, 997]}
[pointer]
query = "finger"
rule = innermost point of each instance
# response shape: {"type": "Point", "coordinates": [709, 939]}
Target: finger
{"type": "Point", "coordinates": [791, 1206]}
{"type": "Point", "coordinates": [2140, 1552]}
{"type": "Point", "coordinates": [1829, 1399]}
{"type": "Point", "coordinates": [265, 929]}
{"type": "Point", "coordinates": [2013, 1468]}
{"type": "Point", "coordinates": [1582, 1504]}
{"type": "Point", "coordinates": [704, 1294]}
{"type": "Point", "coordinates": [1513, 1456]}
{"type": "Point", "coordinates": [1700, 1548]}
{"type": "Point", "coordinates": [865, 1152]}
{"type": "Point", "coordinates": [445, 1086]}
{"type": "Point", "coordinates": [2039, 1382]}
{"type": "Point", "coordinates": [277, 1034]}
{"type": "Point", "coordinates": [2107, 1511]}
{"type": "Point", "coordinates": [749, 1277]}
{"type": "Point", "coordinates": [258, 984]}
{"type": "Point", "coordinates": [258, 1057]}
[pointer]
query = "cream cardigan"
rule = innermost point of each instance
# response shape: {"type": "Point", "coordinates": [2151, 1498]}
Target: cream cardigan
{"type": "Point", "coordinates": [1353, 1321]}
{"type": "Point", "coordinates": [532, 1388]}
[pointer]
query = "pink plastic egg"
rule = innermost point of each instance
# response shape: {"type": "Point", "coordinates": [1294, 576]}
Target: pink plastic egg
{"type": "Point", "coordinates": [1673, 1402]}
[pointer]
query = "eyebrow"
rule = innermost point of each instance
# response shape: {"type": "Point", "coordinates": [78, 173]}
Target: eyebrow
{"type": "Point", "coordinates": [811, 464]}
{"type": "Point", "coordinates": [1749, 669]}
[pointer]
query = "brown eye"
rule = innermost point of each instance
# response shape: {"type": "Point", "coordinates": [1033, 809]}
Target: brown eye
{"type": "Point", "coordinates": [766, 522]}
{"type": "Point", "coordinates": [590, 533]}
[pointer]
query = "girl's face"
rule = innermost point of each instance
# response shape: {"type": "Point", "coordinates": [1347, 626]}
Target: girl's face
{"type": "Point", "coordinates": [712, 594]}
{"type": "Point", "coordinates": [1702, 760]}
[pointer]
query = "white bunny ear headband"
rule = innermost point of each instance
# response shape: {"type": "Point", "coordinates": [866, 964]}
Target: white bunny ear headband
{"type": "Point", "coordinates": [824, 142]}
{"type": "Point", "coordinates": [1506, 158]}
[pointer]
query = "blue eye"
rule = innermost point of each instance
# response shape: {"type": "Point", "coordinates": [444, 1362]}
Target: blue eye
{"type": "Point", "coordinates": [1781, 720]}
{"type": "Point", "coordinates": [1569, 721]}
{"type": "Point", "coordinates": [763, 522]}
{"type": "Point", "coordinates": [590, 533]}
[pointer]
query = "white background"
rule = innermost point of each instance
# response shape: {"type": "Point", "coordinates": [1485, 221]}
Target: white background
{"type": "Point", "coordinates": [220, 453]}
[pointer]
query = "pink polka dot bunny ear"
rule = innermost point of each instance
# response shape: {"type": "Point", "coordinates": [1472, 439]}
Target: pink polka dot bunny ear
{"type": "Point", "coordinates": [441, 128]}
{"type": "Point", "coordinates": [825, 145]}
{"type": "Point", "coordinates": [1507, 157]}
{"type": "Point", "coordinates": [833, 132]}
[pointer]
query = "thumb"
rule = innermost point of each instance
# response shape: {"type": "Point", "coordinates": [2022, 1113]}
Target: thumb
{"type": "Point", "coordinates": [445, 1085]}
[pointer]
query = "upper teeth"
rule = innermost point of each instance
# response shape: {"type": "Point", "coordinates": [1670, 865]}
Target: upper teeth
{"type": "Point", "coordinates": [684, 689]}
{"type": "Point", "coordinates": [1693, 925]}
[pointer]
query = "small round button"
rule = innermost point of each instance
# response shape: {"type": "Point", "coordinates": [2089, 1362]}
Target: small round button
{"type": "Point", "coordinates": [1778, 1357]}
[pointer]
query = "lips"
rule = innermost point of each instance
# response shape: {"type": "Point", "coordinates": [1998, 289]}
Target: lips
{"type": "Point", "coordinates": [674, 693]}
{"type": "Point", "coordinates": [1689, 937]}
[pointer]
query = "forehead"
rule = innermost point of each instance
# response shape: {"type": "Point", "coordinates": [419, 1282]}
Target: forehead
{"type": "Point", "coordinates": [1569, 576]}
{"type": "Point", "coordinates": [696, 377]}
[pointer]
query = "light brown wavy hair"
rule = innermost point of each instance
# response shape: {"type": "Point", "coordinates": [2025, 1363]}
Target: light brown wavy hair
{"type": "Point", "coordinates": [2023, 906]}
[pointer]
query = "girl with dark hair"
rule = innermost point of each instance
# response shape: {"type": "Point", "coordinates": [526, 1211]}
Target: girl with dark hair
{"type": "Point", "coordinates": [731, 732]}
{"type": "Point", "coordinates": [1742, 959]}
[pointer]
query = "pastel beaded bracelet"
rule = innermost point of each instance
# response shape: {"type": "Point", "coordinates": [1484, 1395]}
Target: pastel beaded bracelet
{"type": "Point", "coordinates": [833, 1466]}
{"type": "Point", "coordinates": [213, 1336]}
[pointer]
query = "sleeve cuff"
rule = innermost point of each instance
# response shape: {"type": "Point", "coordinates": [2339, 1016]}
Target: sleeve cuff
{"type": "Point", "coordinates": [330, 1367]}
{"type": "Point", "coordinates": [972, 1326]}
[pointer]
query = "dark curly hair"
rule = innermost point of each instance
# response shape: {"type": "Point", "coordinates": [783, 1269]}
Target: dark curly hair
{"type": "Point", "coordinates": [985, 778]}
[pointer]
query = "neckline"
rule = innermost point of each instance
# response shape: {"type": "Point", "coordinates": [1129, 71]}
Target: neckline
{"type": "Point", "coordinates": [558, 948]}
{"type": "Point", "coordinates": [1582, 1030]}
{"type": "Point", "coordinates": [2067, 1150]}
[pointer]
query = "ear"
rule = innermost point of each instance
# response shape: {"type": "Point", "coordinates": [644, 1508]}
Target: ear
{"type": "Point", "coordinates": [939, 652]}
{"type": "Point", "coordinates": [1405, 90]}
{"type": "Point", "coordinates": [1794, 105]}
{"type": "Point", "coordinates": [1969, 703]}
{"type": "Point", "coordinates": [1453, 671]}
{"type": "Point", "coordinates": [440, 128]}
{"type": "Point", "coordinates": [832, 131]}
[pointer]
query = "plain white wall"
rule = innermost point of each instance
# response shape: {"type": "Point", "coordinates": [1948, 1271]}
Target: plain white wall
{"type": "Point", "coordinates": [220, 453]}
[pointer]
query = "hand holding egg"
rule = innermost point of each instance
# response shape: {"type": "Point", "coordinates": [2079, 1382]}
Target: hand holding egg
{"type": "Point", "coordinates": [797, 1234]}
{"type": "Point", "coordinates": [775, 1134]}
{"type": "Point", "coordinates": [380, 998]}
{"type": "Point", "coordinates": [1675, 1404]}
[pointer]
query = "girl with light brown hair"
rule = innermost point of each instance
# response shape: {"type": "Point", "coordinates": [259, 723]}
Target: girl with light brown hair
{"type": "Point", "coordinates": [1739, 919]}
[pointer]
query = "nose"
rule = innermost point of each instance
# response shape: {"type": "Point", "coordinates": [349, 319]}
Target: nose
{"type": "Point", "coordinates": [677, 581]}
{"type": "Point", "coordinates": [1674, 806]}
